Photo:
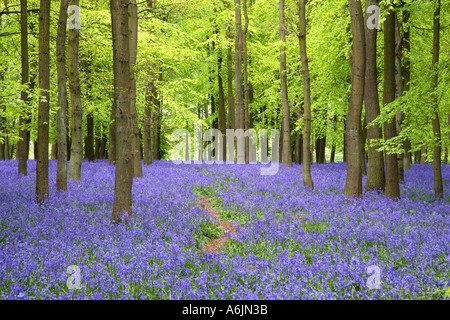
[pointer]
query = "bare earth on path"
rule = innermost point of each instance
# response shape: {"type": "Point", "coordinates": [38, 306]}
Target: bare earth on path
{"type": "Point", "coordinates": [215, 245]}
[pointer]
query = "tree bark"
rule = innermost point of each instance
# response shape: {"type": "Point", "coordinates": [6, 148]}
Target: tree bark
{"type": "Point", "coordinates": [124, 152]}
{"type": "Point", "coordinates": [240, 114]}
{"type": "Point", "coordinates": [61, 173]}
{"type": "Point", "coordinates": [133, 34]}
{"type": "Point", "coordinates": [76, 152]}
{"type": "Point", "coordinates": [353, 185]}
{"type": "Point", "coordinates": [222, 111]}
{"type": "Point", "coordinates": [231, 106]}
{"type": "Point", "coordinates": [287, 154]}
{"type": "Point", "coordinates": [89, 145]}
{"type": "Point", "coordinates": [392, 183]}
{"type": "Point", "coordinates": [42, 187]}
{"type": "Point", "coordinates": [437, 150]}
{"type": "Point", "coordinates": [400, 116]}
{"type": "Point", "coordinates": [23, 132]}
{"type": "Point", "coordinates": [406, 73]}
{"type": "Point", "coordinates": [307, 180]}
{"type": "Point", "coordinates": [246, 82]}
{"type": "Point", "coordinates": [149, 105]}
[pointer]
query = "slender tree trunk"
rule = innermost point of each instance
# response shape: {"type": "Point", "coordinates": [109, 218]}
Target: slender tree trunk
{"type": "Point", "coordinates": [149, 105]}
{"type": "Point", "coordinates": [231, 106]}
{"type": "Point", "coordinates": [363, 147]}
{"type": "Point", "coordinates": [133, 34]}
{"type": "Point", "coordinates": [353, 185]}
{"type": "Point", "coordinates": [89, 145]}
{"type": "Point", "coordinates": [112, 155]}
{"type": "Point", "coordinates": [75, 101]}
{"type": "Point", "coordinates": [61, 174]}
{"type": "Point", "coordinates": [392, 183]}
{"type": "Point", "coordinates": [400, 116]}
{"type": "Point", "coordinates": [222, 112]}
{"type": "Point", "coordinates": [406, 73]}
{"type": "Point", "coordinates": [240, 114]}
{"type": "Point", "coordinates": [124, 151]}
{"type": "Point", "coordinates": [437, 150]}
{"type": "Point", "coordinates": [307, 180]}
{"type": "Point", "coordinates": [42, 187]}
{"type": "Point", "coordinates": [246, 82]}
{"type": "Point", "coordinates": [23, 132]}
{"type": "Point", "coordinates": [287, 155]}
{"type": "Point", "coordinates": [298, 138]}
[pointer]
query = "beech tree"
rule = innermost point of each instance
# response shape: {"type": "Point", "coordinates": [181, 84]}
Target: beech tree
{"type": "Point", "coordinates": [124, 135]}
{"type": "Point", "coordinates": [306, 137]}
{"type": "Point", "coordinates": [437, 151]}
{"type": "Point", "coordinates": [287, 155]}
{"type": "Point", "coordinates": [61, 175]}
{"type": "Point", "coordinates": [392, 184]}
{"type": "Point", "coordinates": [353, 185]}
{"type": "Point", "coordinates": [76, 149]}
{"type": "Point", "coordinates": [23, 145]}
{"type": "Point", "coordinates": [42, 187]}
{"type": "Point", "coordinates": [375, 165]}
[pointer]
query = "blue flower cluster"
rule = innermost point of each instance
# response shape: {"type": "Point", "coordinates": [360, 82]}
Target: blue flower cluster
{"type": "Point", "coordinates": [292, 243]}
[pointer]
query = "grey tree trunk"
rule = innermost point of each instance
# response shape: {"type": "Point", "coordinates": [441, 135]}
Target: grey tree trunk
{"type": "Point", "coordinates": [76, 152]}
{"type": "Point", "coordinates": [287, 154]}
{"type": "Point", "coordinates": [61, 174]}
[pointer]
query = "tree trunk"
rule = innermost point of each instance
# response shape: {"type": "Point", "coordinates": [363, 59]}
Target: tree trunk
{"type": "Point", "coordinates": [375, 165]}
{"type": "Point", "coordinates": [75, 101]}
{"type": "Point", "coordinates": [89, 146]}
{"type": "Point", "coordinates": [246, 83]}
{"type": "Point", "coordinates": [406, 73]}
{"type": "Point", "coordinates": [231, 106]}
{"type": "Point", "coordinates": [133, 34]}
{"type": "Point", "coordinates": [353, 185]}
{"type": "Point", "coordinates": [287, 155]}
{"type": "Point", "coordinates": [240, 115]}
{"type": "Point", "coordinates": [222, 111]}
{"type": "Point", "coordinates": [149, 105]}
{"type": "Point", "coordinates": [112, 155]}
{"type": "Point", "coordinates": [42, 187]}
{"type": "Point", "coordinates": [124, 134]}
{"type": "Point", "coordinates": [23, 132]}
{"type": "Point", "coordinates": [437, 150]}
{"type": "Point", "coordinates": [307, 180]}
{"type": "Point", "coordinates": [392, 183]}
{"type": "Point", "coordinates": [400, 116]}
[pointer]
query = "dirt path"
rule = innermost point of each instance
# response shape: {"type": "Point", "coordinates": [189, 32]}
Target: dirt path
{"type": "Point", "coordinates": [215, 245]}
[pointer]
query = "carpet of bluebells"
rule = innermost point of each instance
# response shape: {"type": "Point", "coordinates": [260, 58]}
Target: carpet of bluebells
{"type": "Point", "coordinates": [292, 243]}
